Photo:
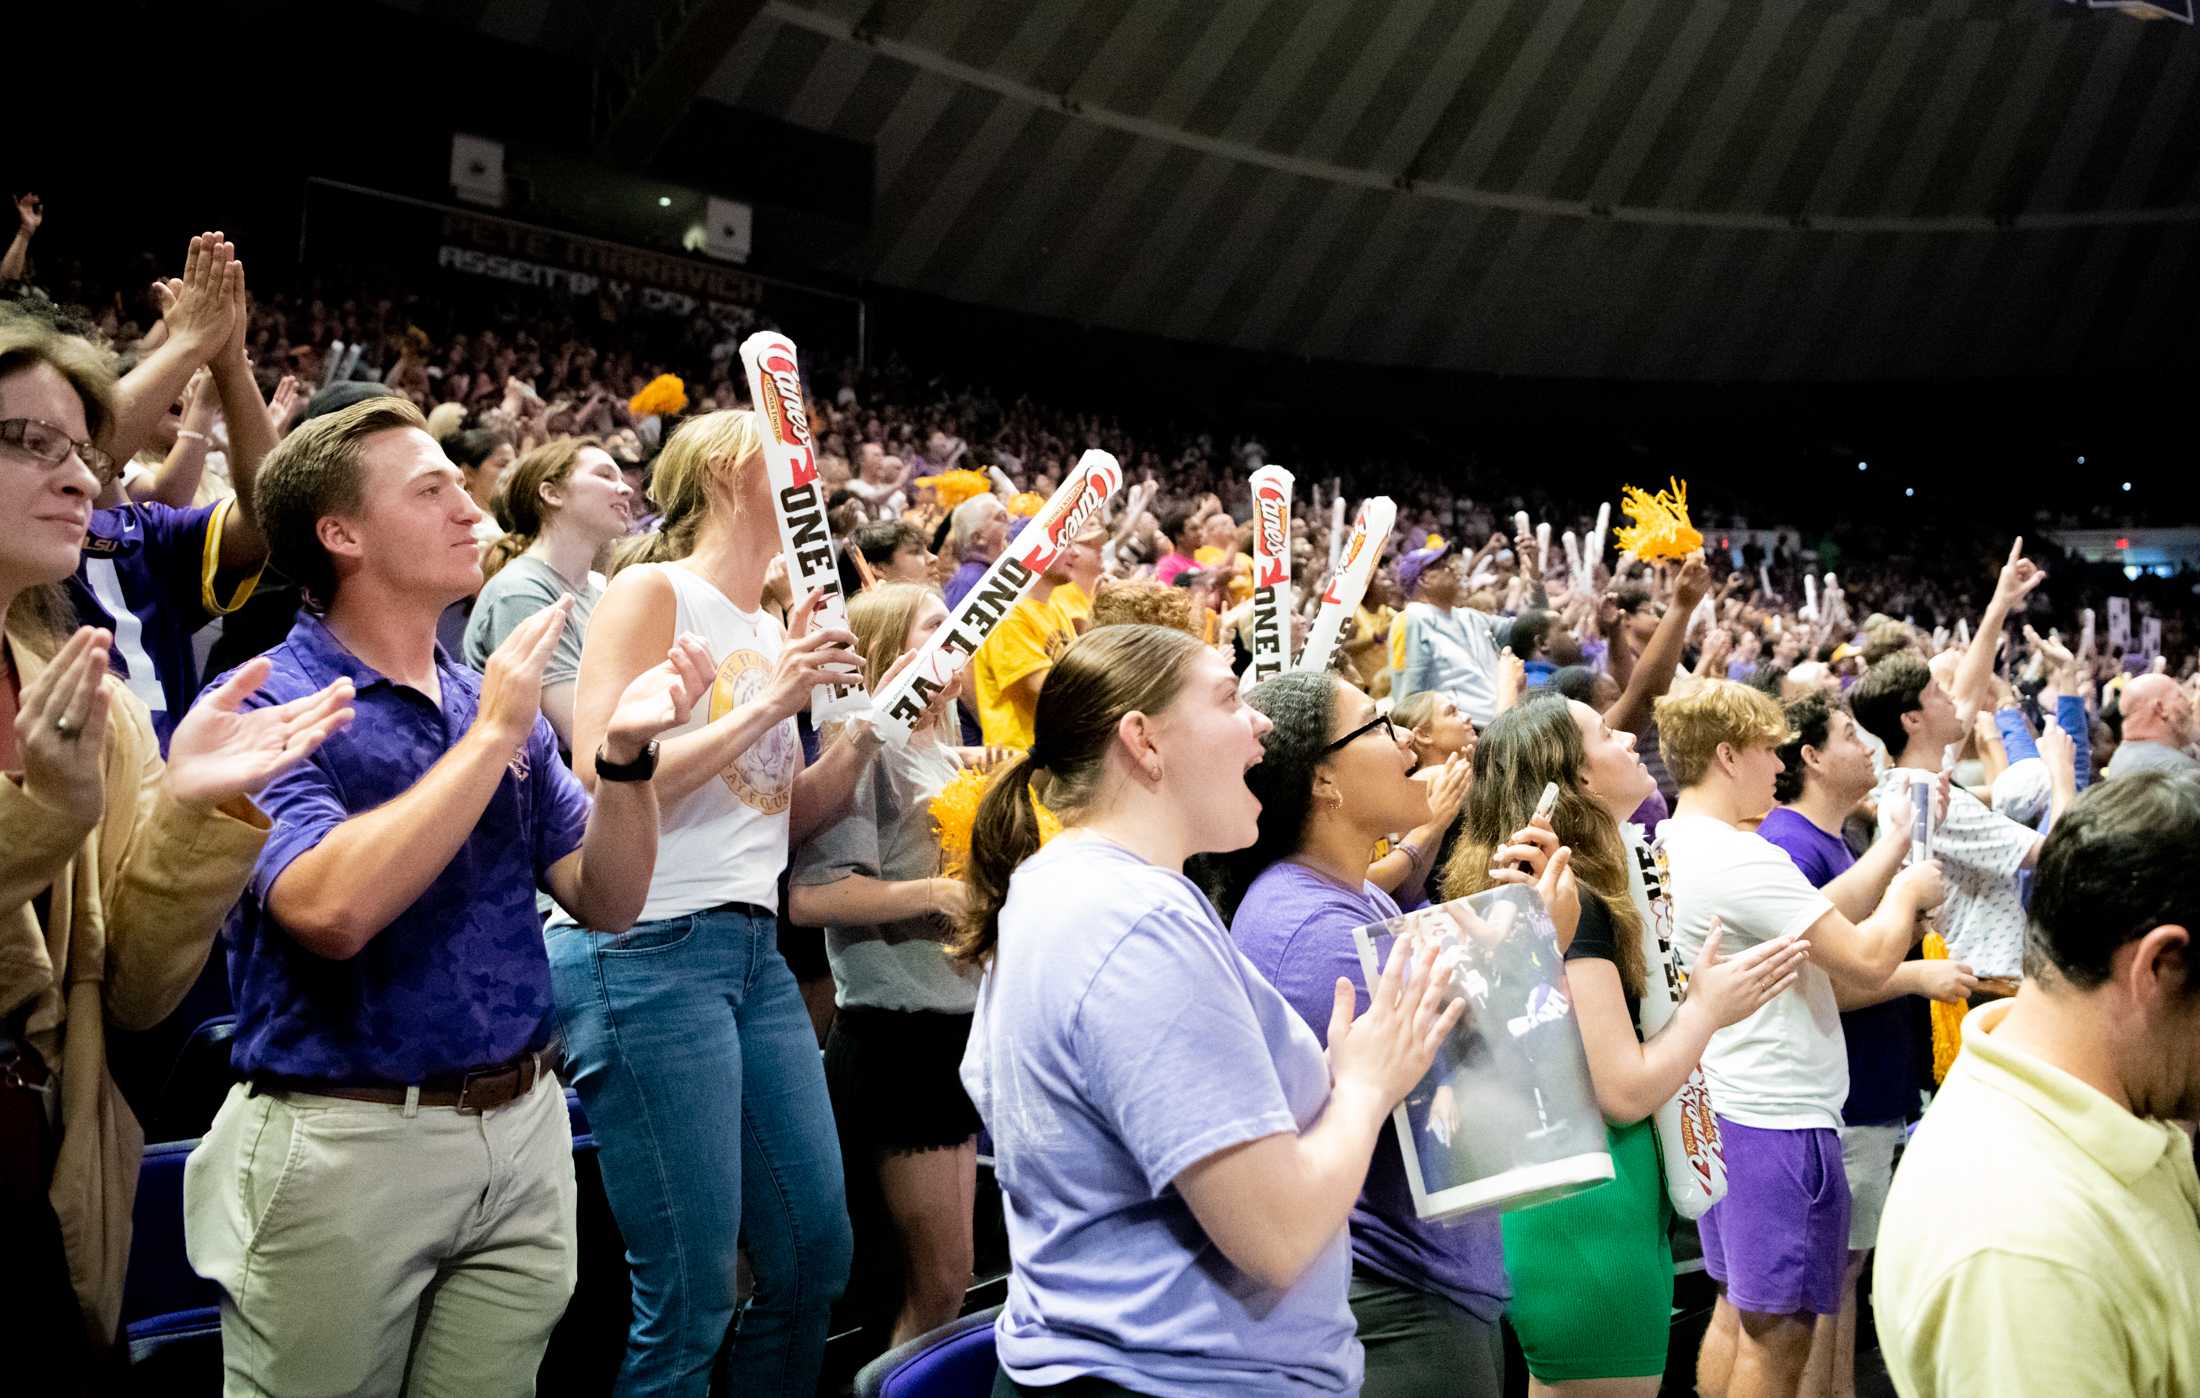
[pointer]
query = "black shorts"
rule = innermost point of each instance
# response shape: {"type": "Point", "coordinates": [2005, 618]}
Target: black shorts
{"type": "Point", "coordinates": [896, 1079]}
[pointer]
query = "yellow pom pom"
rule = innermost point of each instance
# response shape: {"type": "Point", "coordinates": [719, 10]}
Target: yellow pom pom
{"type": "Point", "coordinates": [1947, 1018]}
{"type": "Point", "coordinates": [662, 396]}
{"type": "Point", "coordinates": [1027, 503]}
{"type": "Point", "coordinates": [955, 810]}
{"type": "Point", "coordinates": [1435, 541]}
{"type": "Point", "coordinates": [1661, 528]}
{"type": "Point", "coordinates": [954, 487]}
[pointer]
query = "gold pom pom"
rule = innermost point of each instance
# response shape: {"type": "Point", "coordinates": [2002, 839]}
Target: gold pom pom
{"type": "Point", "coordinates": [954, 487]}
{"type": "Point", "coordinates": [955, 810]}
{"type": "Point", "coordinates": [663, 396]}
{"type": "Point", "coordinates": [1661, 528]}
{"type": "Point", "coordinates": [1947, 1018]}
{"type": "Point", "coordinates": [1027, 503]}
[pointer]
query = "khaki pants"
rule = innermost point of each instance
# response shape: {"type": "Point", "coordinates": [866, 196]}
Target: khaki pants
{"type": "Point", "coordinates": [362, 1249]}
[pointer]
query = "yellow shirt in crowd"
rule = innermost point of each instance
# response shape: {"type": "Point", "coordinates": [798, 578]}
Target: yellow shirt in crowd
{"type": "Point", "coordinates": [1070, 600]}
{"type": "Point", "coordinates": [2039, 1239]}
{"type": "Point", "coordinates": [1018, 647]}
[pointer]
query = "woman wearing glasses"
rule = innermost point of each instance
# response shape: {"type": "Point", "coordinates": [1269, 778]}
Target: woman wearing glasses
{"type": "Point", "coordinates": [1336, 778]}
{"type": "Point", "coordinates": [115, 868]}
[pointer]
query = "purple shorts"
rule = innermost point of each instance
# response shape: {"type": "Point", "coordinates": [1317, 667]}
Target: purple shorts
{"type": "Point", "coordinates": [1778, 1243]}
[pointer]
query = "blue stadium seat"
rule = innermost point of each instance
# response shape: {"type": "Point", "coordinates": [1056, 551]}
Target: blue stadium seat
{"type": "Point", "coordinates": [954, 1361]}
{"type": "Point", "coordinates": [169, 1312]}
{"type": "Point", "coordinates": [197, 1083]}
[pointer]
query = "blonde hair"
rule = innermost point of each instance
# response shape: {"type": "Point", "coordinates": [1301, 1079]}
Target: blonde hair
{"type": "Point", "coordinates": [1691, 727]}
{"type": "Point", "coordinates": [314, 473]}
{"type": "Point", "coordinates": [1144, 603]}
{"type": "Point", "coordinates": [41, 618]}
{"type": "Point", "coordinates": [445, 420]}
{"type": "Point", "coordinates": [520, 508]}
{"type": "Point", "coordinates": [720, 447]}
{"type": "Point", "coordinates": [881, 617]}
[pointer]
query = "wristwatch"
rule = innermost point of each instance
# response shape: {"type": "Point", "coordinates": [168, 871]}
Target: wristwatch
{"type": "Point", "coordinates": [641, 769]}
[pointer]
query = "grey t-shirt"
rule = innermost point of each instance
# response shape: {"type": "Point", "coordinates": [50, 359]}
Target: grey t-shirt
{"type": "Point", "coordinates": [2148, 756]}
{"type": "Point", "coordinates": [520, 589]}
{"type": "Point", "coordinates": [888, 834]}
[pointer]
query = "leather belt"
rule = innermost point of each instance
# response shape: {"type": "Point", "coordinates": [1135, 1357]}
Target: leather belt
{"type": "Point", "coordinates": [477, 1091]}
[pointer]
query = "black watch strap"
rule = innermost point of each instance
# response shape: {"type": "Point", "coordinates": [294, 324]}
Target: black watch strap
{"type": "Point", "coordinates": [641, 769]}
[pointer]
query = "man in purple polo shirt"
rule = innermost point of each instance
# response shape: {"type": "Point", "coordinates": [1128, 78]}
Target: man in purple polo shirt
{"type": "Point", "coordinates": [1827, 771]}
{"type": "Point", "coordinates": [388, 1201]}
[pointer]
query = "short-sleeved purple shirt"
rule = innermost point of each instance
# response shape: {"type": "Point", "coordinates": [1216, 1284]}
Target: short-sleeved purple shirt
{"type": "Point", "coordinates": [460, 979]}
{"type": "Point", "coordinates": [1120, 1039]}
{"type": "Point", "coordinates": [1295, 926]}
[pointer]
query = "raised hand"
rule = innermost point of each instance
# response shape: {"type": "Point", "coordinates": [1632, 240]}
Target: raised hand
{"type": "Point", "coordinates": [812, 656]}
{"type": "Point", "coordinates": [223, 750]}
{"type": "Point", "coordinates": [2019, 576]}
{"type": "Point", "coordinates": [658, 698]}
{"type": "Point", "coordinates": [1532, 857]}
{"type": "Point", "coordinates": [1694, 582]}
{"type": "Point", "coordinates": [30, 212]}
{"type": "Point", "coordinates": [200, 312]}
{"type": "Point", "coordinates": [1730, 991]}
{"type": "Point", "coordinates": [284, 404]}
{"type": "Point", "coordinates": [200, 401]}
{"type": "Point", "coordinates": [1380, 1055]}
{"type": "Point", "coordinates": [511, 683]}
{"type": "Point", "coordinates": [60, 724]}
{"type": "Point", "coordinates": [1447, 792]}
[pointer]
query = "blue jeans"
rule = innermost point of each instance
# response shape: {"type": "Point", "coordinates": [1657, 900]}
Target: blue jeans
{"type": "Point", "coordinates": [689, 1044]}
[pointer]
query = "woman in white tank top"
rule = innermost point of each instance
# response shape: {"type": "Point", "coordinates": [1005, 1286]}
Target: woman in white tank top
{"type": "Point", "coordinates": [686, 1036]}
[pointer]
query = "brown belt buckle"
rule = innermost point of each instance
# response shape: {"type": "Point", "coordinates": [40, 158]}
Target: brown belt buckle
{"type": "Point", "coordinates": [493, 1087]}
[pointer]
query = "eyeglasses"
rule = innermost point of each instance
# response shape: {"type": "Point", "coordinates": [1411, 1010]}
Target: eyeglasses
{"type": "Point", "coordinates": [53, 446]}
{"type": "Point", "coordinates": [1397, 734]}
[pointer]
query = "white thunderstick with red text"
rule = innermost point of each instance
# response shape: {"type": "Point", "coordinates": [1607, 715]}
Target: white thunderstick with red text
{"type": "Point", "coordinates": [1348, 583]}
{"type": "Point", "coordinates": [1271, 572]}
{"type": "Point", "coordinates": [1082, 499]}
{"type": "Point", "coordinates": [798, 498]}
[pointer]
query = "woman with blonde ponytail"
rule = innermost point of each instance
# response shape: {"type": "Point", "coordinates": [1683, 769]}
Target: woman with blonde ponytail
{"type": "Point", "coordinates": [686, 1035]}
{"type": "Point", "coordinates": [1179, 1156]}
{"type": "Point", "coordinates": [559, 505]}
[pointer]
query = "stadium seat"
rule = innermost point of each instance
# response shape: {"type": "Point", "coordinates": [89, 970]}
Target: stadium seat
{"type": "Point", "coordinates": [197, 1084]}
{"type": "Point", "coordinates": [169, 1312]}
{"type": "Point", "coordinates": [954, 1361]}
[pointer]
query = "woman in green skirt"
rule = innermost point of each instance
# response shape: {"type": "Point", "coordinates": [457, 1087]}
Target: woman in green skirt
{"type": "Point", "coordinates": [1592, 1275]}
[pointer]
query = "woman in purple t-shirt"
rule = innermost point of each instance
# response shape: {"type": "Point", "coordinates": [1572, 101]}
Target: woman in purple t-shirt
{"type": "Point", "coordinates": [1337, 776]}
{"type": "Point", "coordinates": [1177, 1154]}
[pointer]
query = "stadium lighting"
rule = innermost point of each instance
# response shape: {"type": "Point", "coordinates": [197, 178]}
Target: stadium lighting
{"type": "Point", "coordinates": [1909, 490]}
{"type": "Point", "coordinates": [1863, 465]}
{"type": "Point", "coordinates": [664, 201]}
{"type": "Point", "coordinates": [2081, 461]}
{"type": "Point", "coordinates": [2127, 485]}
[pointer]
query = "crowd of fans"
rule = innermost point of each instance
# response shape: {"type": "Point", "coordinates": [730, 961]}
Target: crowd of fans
{"type": "Point", "coordinates": [445, 684]}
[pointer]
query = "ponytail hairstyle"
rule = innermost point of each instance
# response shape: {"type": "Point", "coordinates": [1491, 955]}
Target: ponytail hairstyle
{"type": "Point", "coordinates": [718, 446]}
{"type": "Point", "coordinates": [881, 617]}
{"type": "Point", "coordinates": [520, 509]}
{"type": "Point", "coordinates": [1529, 746]}
{"type": "Point", "coordinates": [1301, 708]}
{"type": "Point", "coordinates": [1105, 674]}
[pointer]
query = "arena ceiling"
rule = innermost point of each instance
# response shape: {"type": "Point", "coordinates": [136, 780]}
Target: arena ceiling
{"type": "Point", "coordinates": [1722, 189]}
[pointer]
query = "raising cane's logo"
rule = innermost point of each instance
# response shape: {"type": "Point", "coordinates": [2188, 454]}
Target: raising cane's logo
{"type": "Point", "coordinates": [779, 397]}
{"type": "Point", "coordinates": [1275, 529]}
{"type": "Point", "coordinates": [1092, 497]}
{"type": "Point", "coordinates": [1352, 549]}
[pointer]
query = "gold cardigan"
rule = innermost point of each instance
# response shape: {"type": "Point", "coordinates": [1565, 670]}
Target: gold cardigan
{"type": "Point", "coordinates": [136, 902]}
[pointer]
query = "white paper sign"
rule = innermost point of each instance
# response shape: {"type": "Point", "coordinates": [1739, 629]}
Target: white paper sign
{"type": "Point", "coordinates": [2119, 624]}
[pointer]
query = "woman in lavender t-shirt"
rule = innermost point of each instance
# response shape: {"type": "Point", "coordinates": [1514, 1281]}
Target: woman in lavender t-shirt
{"type": "Point", "coordinates": [1177, 1154]}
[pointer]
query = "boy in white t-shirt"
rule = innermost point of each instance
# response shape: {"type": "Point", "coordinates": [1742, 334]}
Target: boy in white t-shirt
{"type": "Point", "coordinates": [1777, 1244]}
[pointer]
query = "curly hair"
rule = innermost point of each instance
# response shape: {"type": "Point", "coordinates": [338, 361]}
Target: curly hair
{"type": "Point", "coordinates": [1144, 604]}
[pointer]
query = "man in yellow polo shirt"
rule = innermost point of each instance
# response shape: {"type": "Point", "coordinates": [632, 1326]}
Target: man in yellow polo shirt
{"type": "Point", "coordinates": [1008, 669]}
{"type": "Point", "coordinates": [1073, 599]}
{"type": "Point", "coordinates": [2043, 1233]}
